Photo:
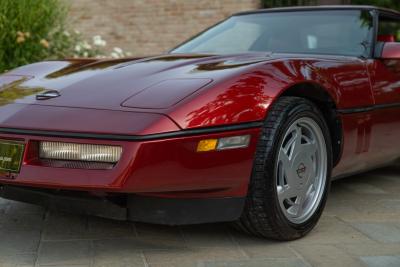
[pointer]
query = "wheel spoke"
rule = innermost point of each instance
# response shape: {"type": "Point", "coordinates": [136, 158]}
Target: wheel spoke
{"type": "Point", "coordinates": [286, 192]}
{"type": "Point", "coordinates": [284, 160]}
{"type": "Point", "coordinates": [285, 168]}
{"type": "Point", "coordinates": [288, 148]}
{"type": "Point", "coordinates": [305, 191]}
{"type": "Point", "coordinates": [297, 146]}
{"type": "Point", "coordinates": [309, 149]}
{"type": "Point", "coordinates": [298, 206]}
{"type": "Point", "coordinates": [314, 169]}
{"type": "Point", "coordinates": [310, 190]}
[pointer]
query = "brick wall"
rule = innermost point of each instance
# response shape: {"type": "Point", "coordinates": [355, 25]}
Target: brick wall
{"type": "Point", "coordinates": [146, 27]}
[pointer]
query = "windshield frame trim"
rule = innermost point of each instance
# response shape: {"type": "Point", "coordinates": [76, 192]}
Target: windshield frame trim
{"type": "Point", "coordinates": [318, 8]}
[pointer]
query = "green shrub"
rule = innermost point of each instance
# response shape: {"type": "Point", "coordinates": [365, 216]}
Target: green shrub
{"type": "Point", "coordinates": [394, 4]}
{"type": "Point", "coordinates": [31, 30]}
{"type": "Point", "coordinates": [34, 30]}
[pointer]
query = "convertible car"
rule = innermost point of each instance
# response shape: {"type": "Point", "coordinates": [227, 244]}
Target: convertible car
{"type": "Point", "coordinates": [248, 122]}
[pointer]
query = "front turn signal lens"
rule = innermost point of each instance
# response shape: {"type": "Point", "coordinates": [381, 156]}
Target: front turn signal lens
{"type": "Point", "coordinates": [233, 142]}
{"type": "Point", "coordinates": [207, 145]}
{"type": "Point", "coordinates": [224, 143]}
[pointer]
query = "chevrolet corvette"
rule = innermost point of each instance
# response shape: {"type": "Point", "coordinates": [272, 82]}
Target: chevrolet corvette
{"type": "Point", "coordinates": [247, 122]}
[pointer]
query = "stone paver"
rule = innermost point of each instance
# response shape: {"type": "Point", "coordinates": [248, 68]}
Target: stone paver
{"type": "Point", "coordinates": [260, 263]}
{"type": "Point", "coordinates": [326, 256]}
{"type": "Point", "coordinates": [65, 253]}
{"type": "Point", "coordinates": [387, 261]}
{"type": "Point", "coordinates": [360, 227]}
{"type": "Point", "coordinates": [381, 232]}
{"type": "Point", "coordinates": [128, 253]}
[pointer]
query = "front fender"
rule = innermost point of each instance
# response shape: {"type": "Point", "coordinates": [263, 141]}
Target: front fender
{"type": "Point", "coordinates": [247, 96]}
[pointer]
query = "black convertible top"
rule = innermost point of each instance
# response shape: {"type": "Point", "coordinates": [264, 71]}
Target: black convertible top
{"type": "Point", "coordinates": [318, 8]}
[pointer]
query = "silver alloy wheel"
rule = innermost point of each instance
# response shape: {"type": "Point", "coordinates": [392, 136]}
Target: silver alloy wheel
{"type": "Point", "coordinates": [301, 170]}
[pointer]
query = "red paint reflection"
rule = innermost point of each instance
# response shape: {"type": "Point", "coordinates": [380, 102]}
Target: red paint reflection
{"type": "Point", "coordinates": [243, 101]}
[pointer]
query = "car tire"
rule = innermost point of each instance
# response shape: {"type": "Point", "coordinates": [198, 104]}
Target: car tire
{"type": "Point", "coordinates": [291, 173]}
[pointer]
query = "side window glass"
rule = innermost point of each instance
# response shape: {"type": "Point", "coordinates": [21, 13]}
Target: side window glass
{"type": "Point", "coordinates": [389, 30]}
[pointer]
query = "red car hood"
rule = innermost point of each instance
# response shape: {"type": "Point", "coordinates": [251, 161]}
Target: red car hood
{"type": "Point", "coordinates": [151, 83]}
{"type": "Point", "coordinates": [125, 96]}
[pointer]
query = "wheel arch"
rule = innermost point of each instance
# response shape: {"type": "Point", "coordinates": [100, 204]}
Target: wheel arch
{"type": "Point", "coordinates": [327, 105]}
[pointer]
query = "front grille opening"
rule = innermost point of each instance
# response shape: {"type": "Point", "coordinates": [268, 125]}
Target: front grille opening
{"type": "Point", "coordinates": [70, 164]}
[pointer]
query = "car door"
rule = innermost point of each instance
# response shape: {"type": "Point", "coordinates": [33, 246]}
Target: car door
{"type": "Point", "coordinates": [385, 83]}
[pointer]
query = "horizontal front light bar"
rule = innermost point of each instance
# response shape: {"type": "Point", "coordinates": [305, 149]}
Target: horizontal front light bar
{"type": "Point", "coordinates": [224, 143]}
{"type": "Point", "coordinates": [79, 152]}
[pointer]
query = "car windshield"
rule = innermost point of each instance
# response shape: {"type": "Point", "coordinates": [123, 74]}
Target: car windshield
{"type": "Point", "coordinates": [333, 32]}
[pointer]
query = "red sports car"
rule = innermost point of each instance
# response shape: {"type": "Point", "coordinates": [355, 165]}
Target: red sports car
{"type": "Point", "coordinates": [246, 122]}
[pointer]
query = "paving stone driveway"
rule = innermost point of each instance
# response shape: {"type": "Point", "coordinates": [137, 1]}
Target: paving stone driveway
{"type": "Point", "coordinates": [360, 227]}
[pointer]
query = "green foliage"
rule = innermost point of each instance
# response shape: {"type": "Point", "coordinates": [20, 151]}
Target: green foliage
{"type": "Point", "coordinates": [394, 4]}
{"type": "Point", "coordinates": [34, 30]}
{"type": "Point", "coordinates": [26, 26]}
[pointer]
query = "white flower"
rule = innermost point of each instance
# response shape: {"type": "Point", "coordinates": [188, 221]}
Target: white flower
{"type": "Point", "coordinates": [85, 54]}
{"type": "Point", "coordinates": [118, 50]}
{"type": "Point", "coordinates": [98, 41]}
{"type": "Point", "coordinates": [86, 45]}
{"type": "Point", "coordinates": [77, 32]}
{"type": "Point", "coordinates": [114, 55]}
{"type": "Point", "coordinates": [66, 33]}
{"type": "Point", "coordinates": [78, 48]}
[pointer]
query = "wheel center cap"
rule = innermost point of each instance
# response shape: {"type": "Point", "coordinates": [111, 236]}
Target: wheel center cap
{"type": "Point", "coordinates": [301, 170]}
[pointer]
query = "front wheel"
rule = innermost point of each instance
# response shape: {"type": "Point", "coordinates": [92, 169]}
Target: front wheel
{"type": "Point", "coordinates": [291, 173]}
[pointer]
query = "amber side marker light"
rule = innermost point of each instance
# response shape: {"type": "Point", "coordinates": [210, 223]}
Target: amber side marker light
{"type": "Point", "coordinates": [224, 143]}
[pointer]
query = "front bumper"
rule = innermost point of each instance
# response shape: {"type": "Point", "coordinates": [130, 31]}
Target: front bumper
{"type": "Point", "coordinates": [164, 166]}
{"type": "Point", "coordinates": [131, 207]}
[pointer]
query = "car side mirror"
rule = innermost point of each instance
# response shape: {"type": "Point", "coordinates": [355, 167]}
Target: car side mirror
{"type": "Point", "coordinates": [389, 51]}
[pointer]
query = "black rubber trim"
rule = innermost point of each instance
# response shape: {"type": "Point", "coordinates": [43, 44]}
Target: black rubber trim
{"type": "Point", "coordinates": [177, 211]}
{"type": "Point", "coordinates": [167, 211]}
{"type": "Point", "coordinates": [183, 133]}
{"type": "Point", "coordinates": [65, 201]}
{"type": "Point", "coordinates": [318, 8]}
{"type": "Point", "coordinates": [369, 108]}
